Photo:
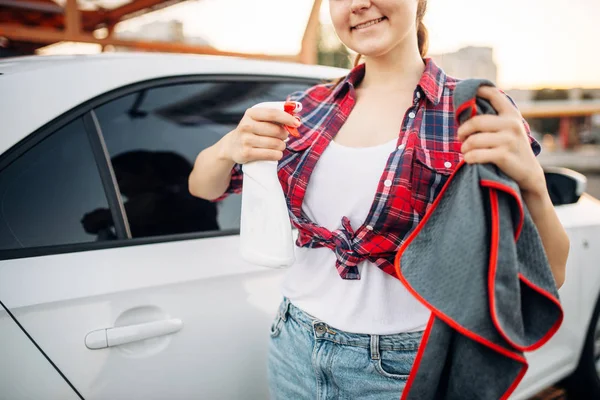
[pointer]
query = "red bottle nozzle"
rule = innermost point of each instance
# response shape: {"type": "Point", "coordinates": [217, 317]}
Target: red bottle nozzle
{"type": "Point", "coordinates": [292, 107]}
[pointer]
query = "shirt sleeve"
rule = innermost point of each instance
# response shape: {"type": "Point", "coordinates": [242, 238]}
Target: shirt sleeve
{"type": "Point", "coordinates": [237, 176]}
{"type": "Point", "coordinates": [535, 145]}
{"type": "Point", "coordinates": [235, 183]}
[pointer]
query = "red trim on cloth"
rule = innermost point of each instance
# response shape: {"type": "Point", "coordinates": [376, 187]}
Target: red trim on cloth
{"type": "Point", "coordinates": [464, 106]}
{"type": "Point", "coordinates": [494, 248]}
{"type": "Point", "coordinates": [464, 331]}
{"type": "Point", "coordinates": [515, 383]}
{"type": "Point", "coordinates": [511, 191]}
{"type": "Point", "coordinates": [439, 314]}
{"type": "Point", "coordinates": [556, 325]}
{"type": "Point", "coordinates": [493, 264]}
{"type": "Point", "coordinates": [415, 367]}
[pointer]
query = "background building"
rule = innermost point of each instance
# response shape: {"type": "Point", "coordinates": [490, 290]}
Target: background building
{"type": "Point", "coordinates": [162, 31]}
{"type": "Point", "coordinates": [469, 62]}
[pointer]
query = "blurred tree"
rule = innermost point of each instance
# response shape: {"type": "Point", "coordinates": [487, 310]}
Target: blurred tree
{"type": "Point", "coordinates": [331, 51]}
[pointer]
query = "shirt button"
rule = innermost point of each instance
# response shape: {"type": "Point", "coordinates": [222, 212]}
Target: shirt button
{"type": "Point", "coordinates": [401, 147]}
{"type": "Point", "coordinates": [369, 228]}
{"type": "Point", "coordinates": [387, 183]}
{"type": "Point", "coordinates": [447, 164]}
{"type": "Point", "coordinates": [411, 115]}
{"type": "Point", "coordinates": [418, 95]}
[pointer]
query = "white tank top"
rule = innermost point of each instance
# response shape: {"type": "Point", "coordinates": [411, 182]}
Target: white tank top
{"type": "Point", "coordinates": [344, 183]}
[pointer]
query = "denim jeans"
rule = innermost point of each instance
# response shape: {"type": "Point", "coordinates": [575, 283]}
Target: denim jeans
{"type": "Point", "coordinates": [311, 360]}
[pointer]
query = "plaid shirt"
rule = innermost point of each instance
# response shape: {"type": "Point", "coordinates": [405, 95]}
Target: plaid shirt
{"type": "Point", "coordinates": [426, 154]}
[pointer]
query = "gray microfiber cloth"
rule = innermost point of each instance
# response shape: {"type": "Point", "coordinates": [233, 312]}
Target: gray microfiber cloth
{"type": "Point", "coordinates": [477, 262]}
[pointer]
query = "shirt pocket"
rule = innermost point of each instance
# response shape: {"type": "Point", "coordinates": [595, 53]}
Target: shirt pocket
{"type": "Point", "coordinates": [430, 172]}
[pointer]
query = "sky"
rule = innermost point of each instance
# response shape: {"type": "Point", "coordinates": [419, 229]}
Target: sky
{"type": "Point", "coordinates": [537, 43]}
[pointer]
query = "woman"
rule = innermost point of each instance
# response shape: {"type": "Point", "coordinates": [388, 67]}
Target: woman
{"type": "Point", "coordinates": [374, 151]}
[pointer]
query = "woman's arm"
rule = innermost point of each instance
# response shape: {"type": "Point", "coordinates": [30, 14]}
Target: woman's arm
{"type": "Point", "coordinates": [502, 140]}
{"type": "Point", "coordinates": [212, 172]}
{"type": "Point", "coordinates": [259, 136]}
{"type": "Point", "coordinates": [552, 233]}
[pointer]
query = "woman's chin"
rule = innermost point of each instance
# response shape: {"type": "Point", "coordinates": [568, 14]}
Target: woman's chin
{"type": "Point", "coordinates": [372, 51]}
{"type": "Point", "coordinates": [370, 48]}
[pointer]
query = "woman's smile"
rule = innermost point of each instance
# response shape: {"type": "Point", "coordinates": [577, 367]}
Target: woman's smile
{"type": "Point", "coordinates": [368, 24]}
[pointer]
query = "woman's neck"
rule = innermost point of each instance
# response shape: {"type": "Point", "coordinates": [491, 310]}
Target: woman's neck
{"type": "Point", "coordinates": [395, 71]}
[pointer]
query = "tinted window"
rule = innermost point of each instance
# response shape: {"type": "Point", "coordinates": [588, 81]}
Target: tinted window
{"type": "Point", "coordinates": [153, 137]}
{"type": "Point", "coordinates": [46, 193]}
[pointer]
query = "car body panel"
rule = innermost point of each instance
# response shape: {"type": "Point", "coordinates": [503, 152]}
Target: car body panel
{"type": "Point", "coordinates": [226, 305]}
{"type": "Point", "coordinates": [69, 81]}
{"type": "Point", "coordinates": [25, 373]}
{"type": "Point", "coordinates": [560, 356]}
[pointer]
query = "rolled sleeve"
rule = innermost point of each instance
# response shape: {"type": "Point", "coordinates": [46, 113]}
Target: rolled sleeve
{"type": "Point", "coordinates": [235, 183]}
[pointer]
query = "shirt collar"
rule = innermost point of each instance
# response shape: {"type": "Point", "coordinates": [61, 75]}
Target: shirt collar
{"type": "Point", "coordinates": [432, 81]}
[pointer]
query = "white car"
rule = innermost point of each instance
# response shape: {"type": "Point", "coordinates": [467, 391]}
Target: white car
{"type": "Point", "coordinates": [115, 283]}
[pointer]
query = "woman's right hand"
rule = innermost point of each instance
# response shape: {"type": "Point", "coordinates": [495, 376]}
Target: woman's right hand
{"type": "Point", "coordinates": [260, 135]}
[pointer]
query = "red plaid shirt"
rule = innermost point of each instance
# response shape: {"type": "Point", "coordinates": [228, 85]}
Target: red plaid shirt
{"type": "Point", "coordinates": [427, 152]}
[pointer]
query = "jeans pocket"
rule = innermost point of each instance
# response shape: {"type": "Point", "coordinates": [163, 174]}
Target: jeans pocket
{"type": "Point", "coordinates": [395, 364]}
{"type": "Point", "coordinates": [276, 325]}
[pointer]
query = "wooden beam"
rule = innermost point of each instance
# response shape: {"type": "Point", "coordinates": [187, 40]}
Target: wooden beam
{"type": "Point", "coordinates": [72, 18]}
{"type": "Point", "coordinates": [559, 108]}
{"type": "Point", "coordinates": [138, 5]}
{"type": "Point", "coordinates": [310, 40]}
{"type": "Point", "coordinates": [50, 36]}
{"type": "Point", "coordinates": [110, 30]}
{"type": "Point", "coordinates": [51, 8]}
{"type": "Point", "coordinates": [128, 10]}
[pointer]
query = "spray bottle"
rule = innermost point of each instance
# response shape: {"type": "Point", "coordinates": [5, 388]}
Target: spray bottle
{"type": "Point", "coordinates": [265, 228]}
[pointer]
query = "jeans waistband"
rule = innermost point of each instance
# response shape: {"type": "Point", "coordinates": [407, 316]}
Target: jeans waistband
{"type": "Point", "coordinates": [394, 342]}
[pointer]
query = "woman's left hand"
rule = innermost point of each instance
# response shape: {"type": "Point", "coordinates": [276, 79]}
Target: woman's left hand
{"type": "Point", "coordinates": [502, 140]}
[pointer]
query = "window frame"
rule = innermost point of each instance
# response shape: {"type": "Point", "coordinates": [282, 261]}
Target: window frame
{"type": "Point", "coordinates": [85, 111]}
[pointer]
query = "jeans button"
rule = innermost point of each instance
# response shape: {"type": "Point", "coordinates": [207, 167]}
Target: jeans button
{"type": "Point", "coordinates": [320, 329]}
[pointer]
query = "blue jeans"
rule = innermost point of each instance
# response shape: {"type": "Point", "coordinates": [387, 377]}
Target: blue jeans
{"type": "Point", "coordinates": [311, 360]}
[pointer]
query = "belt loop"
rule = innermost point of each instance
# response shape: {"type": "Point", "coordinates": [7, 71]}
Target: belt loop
{"type": "Point", "coordinates": [375, 347]}
{"type": "Point", "coordinates": [285, 308]}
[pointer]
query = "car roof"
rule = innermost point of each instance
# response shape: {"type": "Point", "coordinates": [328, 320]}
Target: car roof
{"type": "Point", "coordinates": [37, 89]}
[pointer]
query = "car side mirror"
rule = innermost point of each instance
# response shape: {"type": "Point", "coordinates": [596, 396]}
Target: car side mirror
{"type": "Point", "coordinates": [565, 186]}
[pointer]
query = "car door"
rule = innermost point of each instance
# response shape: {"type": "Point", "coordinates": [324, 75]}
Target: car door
{"type": "Point", "coordinates": [559, 356]}
{"type": "Point", "coordinates": [132, 287]}
{"type": "Point", "coordinates": [25, 373]}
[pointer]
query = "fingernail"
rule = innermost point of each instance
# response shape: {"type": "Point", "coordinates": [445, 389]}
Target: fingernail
{"type": "Point", "coordinates": [298, 123]}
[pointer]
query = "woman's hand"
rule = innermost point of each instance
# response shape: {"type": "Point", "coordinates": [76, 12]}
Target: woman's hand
{"type": "Point", "coordinates": [260, 135]}
{"type": "Point", "coordinates": [502, 140]}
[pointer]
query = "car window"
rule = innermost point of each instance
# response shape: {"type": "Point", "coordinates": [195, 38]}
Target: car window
{"type": "Point", "coordinates": [48, 194]}
{"type": "Point", "coordinates": [153, 137]}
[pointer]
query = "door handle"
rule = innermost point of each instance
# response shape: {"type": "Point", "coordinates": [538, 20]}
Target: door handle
{"type": "Point", "coordinates": [109, 337]}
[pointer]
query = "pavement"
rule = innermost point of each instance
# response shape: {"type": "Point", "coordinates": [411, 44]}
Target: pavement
{"type": "Point", "coordinates": [553, 393]}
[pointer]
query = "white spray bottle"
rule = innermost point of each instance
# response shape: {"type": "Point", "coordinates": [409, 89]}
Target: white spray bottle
{"type": "Point", "coordinates": [265, 228]}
